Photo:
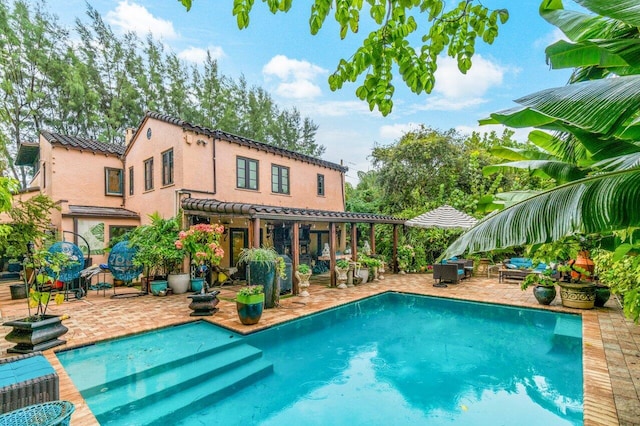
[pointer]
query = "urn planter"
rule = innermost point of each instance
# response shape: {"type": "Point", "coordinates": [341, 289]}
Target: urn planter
{"type": "Point", "coordinates": [544, 294]}
{"type": "Point", "coordinates": [303, 283]}
{"type": "Point", "coordinates": [204, 304]}
{"type": "Point", "coordinates": [33, 336]}
{"type": "Point", "coordinates": [578, 295]}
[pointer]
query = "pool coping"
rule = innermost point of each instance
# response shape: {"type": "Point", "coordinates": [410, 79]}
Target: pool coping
{"type": "Point", "coordinates": [599, 404]}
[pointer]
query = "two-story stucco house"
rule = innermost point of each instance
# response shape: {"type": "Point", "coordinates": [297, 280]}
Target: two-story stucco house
{"type": "Point", "coordinates": [262, 194]}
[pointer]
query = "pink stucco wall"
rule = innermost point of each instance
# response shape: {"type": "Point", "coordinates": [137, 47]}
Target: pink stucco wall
{"type": "Point", "coordinates": [196, 156]}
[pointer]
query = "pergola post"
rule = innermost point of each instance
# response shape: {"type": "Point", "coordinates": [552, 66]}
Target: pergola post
{"type": "Point", "coordinates": [332, 255]}
{"type": "Point", "coordinates": [295, 257]}
{"type": "Point", "coordinates": [372, 238]}
{"type": "Point", "coordinates": [394, 260]}
{"type": "Point", "coordinates": [354, 242]}
{"type": "Point", "coordinates": [255, 222]}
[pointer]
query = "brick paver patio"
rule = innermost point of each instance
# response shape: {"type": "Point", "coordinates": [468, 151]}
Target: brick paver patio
{"type": "Point", "coordinates": [611, 344]}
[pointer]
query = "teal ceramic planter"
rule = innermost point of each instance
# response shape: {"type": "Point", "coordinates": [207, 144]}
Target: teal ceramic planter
{"type": "Point", "coordinates": [197, 284]}
{"type": "Point", "coordinates": [250, 308]}
{"type": "Point", "coordinates": [158, 286]}
{"type": "Point", "coordinates": [264, 274]}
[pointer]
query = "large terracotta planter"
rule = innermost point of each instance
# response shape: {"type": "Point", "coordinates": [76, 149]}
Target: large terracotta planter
{"type": "Point", "coordinates": [578, 295]}
{"type": "Point", "coordinates": [32, 336]}
{"type": "Point", "coordinates": [583, 260]}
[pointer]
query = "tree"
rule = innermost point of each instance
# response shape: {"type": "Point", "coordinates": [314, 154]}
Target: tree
{"type": "Point", "coordinates": [601, 115]}
{"type": "Point", "coordinates": [393, 41]}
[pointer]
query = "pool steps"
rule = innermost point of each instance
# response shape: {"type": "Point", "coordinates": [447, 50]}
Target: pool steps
{"type": "Point", "coordinates": [208, 379]}
{"type": "Point", "coordinates": [163, 386]}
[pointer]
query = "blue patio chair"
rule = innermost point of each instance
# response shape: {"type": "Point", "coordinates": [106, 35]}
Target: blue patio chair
{"type": "Point", "coordinates": [48, 413]}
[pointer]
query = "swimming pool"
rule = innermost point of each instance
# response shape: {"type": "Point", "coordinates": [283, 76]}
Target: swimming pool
{"type": "Point", "coordinates": [389, 359]}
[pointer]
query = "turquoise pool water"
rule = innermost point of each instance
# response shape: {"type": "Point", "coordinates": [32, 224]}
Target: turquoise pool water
{"type": "Point", "coordinates": [390, 359]}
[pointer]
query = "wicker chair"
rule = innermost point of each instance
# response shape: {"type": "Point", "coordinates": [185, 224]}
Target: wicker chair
{"type": "Point", "coordinates": [447, 272]}
{"type": "Point", "coordinates": [48, 413]}
{"type": "Point", "coordinates": [26, 380]}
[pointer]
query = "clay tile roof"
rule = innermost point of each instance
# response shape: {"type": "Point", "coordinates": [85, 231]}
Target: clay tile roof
{"type": "Point", "coordinates": [198, 205]}
{"type": "Point", "coordinates": [83, 143]}
{"type": "Point", "coordinates": [229, 137]}
{"type": "Point", "coordinates": [95, 211]}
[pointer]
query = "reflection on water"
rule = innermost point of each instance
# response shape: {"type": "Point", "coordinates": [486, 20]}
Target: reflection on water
{"type": "Point", "coordinates": [397, 359]}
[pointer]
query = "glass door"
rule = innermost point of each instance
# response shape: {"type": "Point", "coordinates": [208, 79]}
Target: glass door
{"type": "Point", "coordinates": [239, 240]}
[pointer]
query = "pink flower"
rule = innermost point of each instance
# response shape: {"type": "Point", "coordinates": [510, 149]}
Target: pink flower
{"type": "Point", "coordinates": [178, 245]}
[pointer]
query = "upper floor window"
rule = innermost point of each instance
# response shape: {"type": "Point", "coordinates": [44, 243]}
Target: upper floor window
{"type": "Point", "coordinates": [167, 167]}
{"type": "Point", "coordinates": [130, 180]}
{"type": "Point", "coordinates": [279, 179]}
{"type": "Point", "coordinates": [113, 181]}
{"type": "Point", "coordinates": [320, 184]}
{"type": "Point", "coordinates": [148, 174]}
{"type": "Point", "coordinates": [247, 173]}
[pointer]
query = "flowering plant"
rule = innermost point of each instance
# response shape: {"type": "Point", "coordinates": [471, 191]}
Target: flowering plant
{"type": "Point", "coordinates": [202, 242]}
{"type": "Point", "coordinates": [406, 253]}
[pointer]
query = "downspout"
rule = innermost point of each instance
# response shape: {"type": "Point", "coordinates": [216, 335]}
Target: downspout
{"type": "Point", "coordinates": [213, 143]}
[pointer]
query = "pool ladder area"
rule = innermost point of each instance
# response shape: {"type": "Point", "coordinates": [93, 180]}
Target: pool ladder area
{"type": "Point", "coordinates": [174, 389]}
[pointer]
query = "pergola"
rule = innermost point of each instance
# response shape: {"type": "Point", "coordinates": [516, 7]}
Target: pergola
{"type": "Point", "coordinates": [255, 213]}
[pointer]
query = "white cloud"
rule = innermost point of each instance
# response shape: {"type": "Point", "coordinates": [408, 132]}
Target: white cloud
{"type": "Point", "coordinates": [135, 18]}
{"type": "Point", "coordinates": [455, 91]}
{"type": "Point", "coordinates": [520, 135]}
{"type": "Point", "coordinates": [452, 84]}
{"type": "Point", "coordinates": [297, 78]}
{"type": "Point", "coordinates": [396, 131]}
{"type": "Point", "coordinates": [555, 35]}
{"type": "Point", "coordinates": [198, 55]}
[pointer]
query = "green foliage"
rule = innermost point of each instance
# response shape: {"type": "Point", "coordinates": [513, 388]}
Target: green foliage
{"type": "Point", "coordinates": [303, 268]}
{"type": "Point", "coordinates": [156, 246]}
{"type": "Point", "coordinates": [406, 255]}
{"type": "Point", "coordinates": [342, 263]}
{"type": "Point", "coordinates": [622, 275]}
{"type": "Point", "coordinates": [250, 290]}
{"type": "Point", "coordinates": [397, 42]}
{"type": "Point", "coordinates": [542, 279]}
{"type": "Point", "coordinates": [265, 255]}
{"type": "Point", "coordinates": [30, 221]}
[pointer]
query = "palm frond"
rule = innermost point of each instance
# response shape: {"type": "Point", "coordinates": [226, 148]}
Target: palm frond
{"type": "Point", "coordinates": [599, 203]}
{"type": "Point", "coordinates": [560, 171]}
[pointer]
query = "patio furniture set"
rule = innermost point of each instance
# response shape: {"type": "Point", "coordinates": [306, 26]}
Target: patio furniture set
{"type": "Point", "coordinates": [29, 392]}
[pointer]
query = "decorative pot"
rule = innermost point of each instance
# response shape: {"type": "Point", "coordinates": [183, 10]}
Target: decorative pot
{"type": "Point", "coordinates": [583, 260]}
{"type": "Point", "coordinates": [264, 274]}
{"type": "Point", "coordinates": [158, 286]}
{"type": "Point", "coordinates": [204, 304]}
{"type": "Point", "coordinates": [32, 336]}
{"type": "Point", "coordinates": [364, 274]}
{"type": "Point", "coordinates": [303, 283]}
{"type": "Point", "coordinates": [250, 308]}
{"type": "Point", "coordinates": [381, 272]}
{"type": "Point", "coordinates": [544, 294]}
{"type": "Point", "coordinates": [18, 291]}
{"type": "Point", "coordinates": [179, 283]}
{"type": "Point", "coordinates": [603, 293]}
{"type": "Point", "coordinates": [197, 284]}
{"type": "Point", "coordinates": [578, 295]}
{"type": "Point", "coordinates": [341, 277]}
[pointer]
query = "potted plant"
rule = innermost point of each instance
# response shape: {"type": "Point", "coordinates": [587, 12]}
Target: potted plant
{"type": "Point", "coordinates": [544, 290]}
{"type": "Point", "coordinates": [574, 291]}
{"type": "Point", "coordinates": [342, 268]}
{"type": "Point", "coordinates": [263, 263]}
{"type": "Point", "coordinates": [156, 249]}
{"type": "Point", "coordinates": [303, 273]}
{"type": "Point", "coordinates": [40, 331]}
{"type": "Point", "coordinates": [29, 221]}
{"type": "Point", "coordinates": [250, 303]}
{"type": "Point", "coordinates": [202, 243]}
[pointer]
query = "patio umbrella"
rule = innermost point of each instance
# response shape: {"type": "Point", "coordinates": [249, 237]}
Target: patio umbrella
{"type": "Point", "coordinates": [443, 217]}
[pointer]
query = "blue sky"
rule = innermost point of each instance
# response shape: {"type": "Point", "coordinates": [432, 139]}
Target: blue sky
{"type": "Point", "coordinates": [278, 53]}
